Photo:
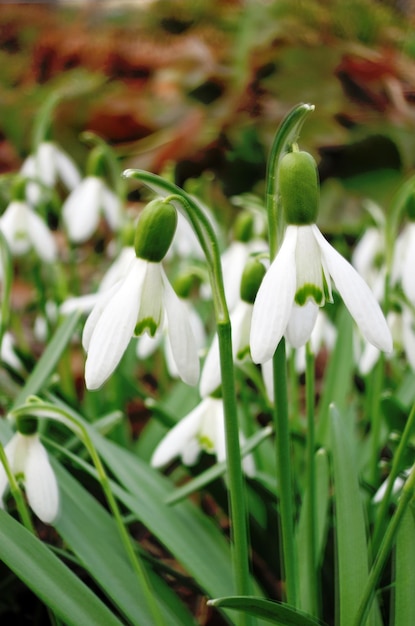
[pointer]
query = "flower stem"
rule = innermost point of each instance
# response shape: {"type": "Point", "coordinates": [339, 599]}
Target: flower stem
{"type": "Point", "coordinates": [16, 493]}
{"type": "Point", "coordinates": [385, 548]}
{"type": "Point", "coordinates": [234, 468]}
{"type": "Point", "coordinates": [396, 466]}
{"type": "Point", "coordinates": [282, 440]}
{"type": "Point", "coordinates": [43, 410]}
{"type": "Point", "coordinates": [311, 482]}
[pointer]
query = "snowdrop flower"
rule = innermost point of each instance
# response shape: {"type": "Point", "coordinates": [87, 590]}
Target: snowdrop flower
{"type": "Point", "coordinates": [404, 261]}
{"type": "Point", "coordinates": [397, 486]}
{"type": "Point", "coordinates": [25, 230]}
{"type": "Point", "coordinates": [7, 353]}
{"type": "Point", "coordinates": [139, 303]}
{"type": "Point", "coordinates": [203, 429]}
{"type": "Point", "coordinates": [28, 460]}
{"type": "Point", "coordinates": [298, 281]}
{"type": "Point", "coordinates": [241, 325]}
{"type": "Point", "coordinates": [49, 164]}
{"type": "Point", "coordinates": [82, 209]}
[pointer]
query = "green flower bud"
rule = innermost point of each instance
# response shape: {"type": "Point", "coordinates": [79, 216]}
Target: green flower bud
{"type": "Point", "coordinates": [27, 425]}
{"type": "Point", "coordinates": [299, 188]}
{"type": "Point", "coordinates": [183, 284]}
{"type": "Point", "coordinates": [155, 230]}
{"type": "Point", "coordinates": [252, 276]}
{"type": "Point", "coordinates": [244, 226]}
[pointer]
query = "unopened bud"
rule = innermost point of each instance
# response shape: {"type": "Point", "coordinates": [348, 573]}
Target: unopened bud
{"type": "Point", "coordinates": [252, 276]}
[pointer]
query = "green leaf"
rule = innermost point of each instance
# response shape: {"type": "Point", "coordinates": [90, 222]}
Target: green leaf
{"type": "Point", "coordinates": [49, 359]}
{"type": "Point", "coordinates": [404, 605]}
{"type": "Point", "coordinates": [92, 535]}
{"type": "Point", "coordinates": [339, 375]}
{"type": "Point", "coordinates": [279, 614]}
{"type": "Point", "coordinates": [322, 502]}
{"type": "Point", "coordinates": [351, 545]}
{"type": "Point", "coordinates": [54, 583]}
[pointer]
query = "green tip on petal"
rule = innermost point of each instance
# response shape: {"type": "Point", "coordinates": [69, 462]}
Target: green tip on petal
{"type": "Point", "coordinates": [155, 230]}
{"type": "Point", "coordinates": [307, 292]}
{"type": "Point", "coordinates": [252, 276]}
{"type": "Point", "coordinates": [299, 188]}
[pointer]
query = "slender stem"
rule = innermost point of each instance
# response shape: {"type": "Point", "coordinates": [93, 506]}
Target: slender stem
{"type": "Point", "coordinates": [311, 481]}
{"type": "Point", "coordinates": [384, 551]}
{"type": "Point", "coordinates": [43, 410]}
{"type": "Point", "coordinates": [282, 441]}
{"type": "Point", "coordinates": [125, 536]}
{"type": "Point", "coordinates": [236, 491]}
{"type": "Point", "coordinates": [16, 493]}
{"type": "Point", "coordinates": [376, 418]}
{"type": "Point", "coordinates": [396, 466]}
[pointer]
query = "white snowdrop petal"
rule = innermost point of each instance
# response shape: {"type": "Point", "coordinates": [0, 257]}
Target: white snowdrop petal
{"type": "Point", "coordinates": [408, 265]}
{"type": "Point", "coordinates": [85, 304]}
{"type": "Point", "coordinates": [66, 169]}
{"type": "Point", "coordinates": [177, 439]}
{"type": "Point", "coordinates": [45, 164]}
{"type": "Point", "coordinates": [41, 238]}
{"type": "Point", "coordinates": [13, 224]}
{"type": "Point", "coordinates": [40, 482]}
{"type": "Point", "coordinates": [118, 268]}
{"type": "Point", "coordinates": [182, 341]}
{"type": "Point", "coordinates": [81, 209]}
{"type": "Point", "coordinates": [147, 345]}
{"type": "Point", "coordinates": [357, 297]}
{"type": "Point", "coordinates": [114, 329]}
{"type": "Point", "coordinates": [301, 323]}
{"type": "Point", "coordinates": [211, 378]}
{"type": "Point", "coordinates": [111, 206]}
{"type": "Point", "coordinates": [408, 336]}
{"type": "Point", "coordinates": [92, 319]}
{"type": "Point", "coordinates": [274, 300]}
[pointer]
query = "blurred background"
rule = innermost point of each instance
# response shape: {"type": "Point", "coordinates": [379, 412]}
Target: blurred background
{"type": "Point", "coordinates": [203, 85]}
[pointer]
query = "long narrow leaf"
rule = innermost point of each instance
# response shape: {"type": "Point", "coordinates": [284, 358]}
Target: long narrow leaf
{"type": "Point", "coordinates": [92, 535]}
{"type": "Point", "coordinates": [49, 359]}
{"type": "Point", "coordinates": [351, 545]}
{"type": "Point", "coordinates": [278, 614]}
{"type": "Point", "coordinates": [404, 605]}
{"type": "Point", "coordinates": [54, 583]}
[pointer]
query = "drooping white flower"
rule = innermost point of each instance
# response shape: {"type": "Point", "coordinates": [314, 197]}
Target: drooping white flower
{"type": "Point", "coordinates": [83, 207]}
{"type": "Point", "coordinates": [203, 429]}
{"type": "Point", "coordinates": [142, 301]}
{"type": "Point", "coordinates": [29, 460]}
{"type": "Point", "coordinates": [404, 261]}
{"type": "Point", "coordinates": [301, 275]}
{"type": "Point", "coordinates": [48, 165]}
{"type": "Point", "coordinates": [7, 353]}
{"type": "Point", "coordinates": [25, 230]}
{"type": "Point", "coordinates": [138, 303]}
